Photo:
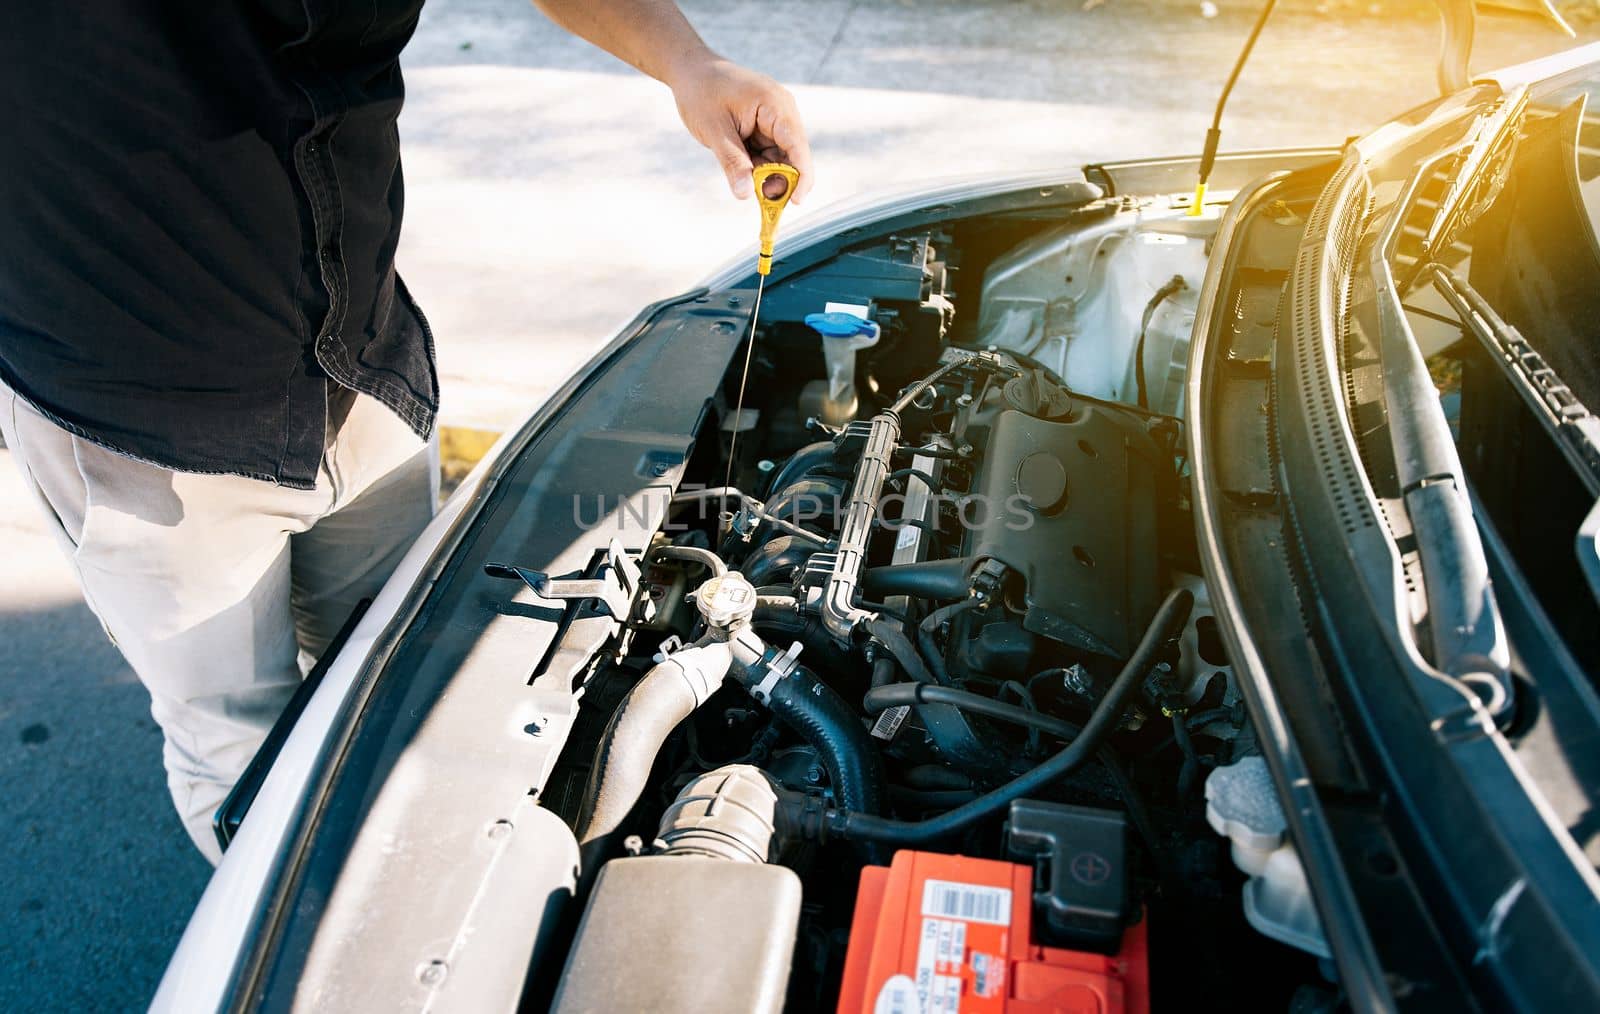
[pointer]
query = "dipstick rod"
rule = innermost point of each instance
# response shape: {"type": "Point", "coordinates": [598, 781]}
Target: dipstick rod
{"type": "Point", "coordinates": [771, 210]}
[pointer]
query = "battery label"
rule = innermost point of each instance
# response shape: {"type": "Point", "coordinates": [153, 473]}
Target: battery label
{"type": "Point", "coordinates": [950, 900]}
{"type": "Point", "coordinates": [898, 996]}
{"type": "Point", "coordinates": [940, 934]}
{"type": "Point", "coordinates": [939, 955]}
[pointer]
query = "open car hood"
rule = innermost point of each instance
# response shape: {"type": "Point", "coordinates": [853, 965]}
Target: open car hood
{"type": "Point", "coordinates": [410, 843]}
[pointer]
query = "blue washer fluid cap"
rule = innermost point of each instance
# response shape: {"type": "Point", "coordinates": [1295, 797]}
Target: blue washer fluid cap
{"type": "Point", "coordinates": [839, 324]}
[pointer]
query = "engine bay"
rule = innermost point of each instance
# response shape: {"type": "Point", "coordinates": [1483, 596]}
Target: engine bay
{"type": "Point", "coordinates": [920, 704]}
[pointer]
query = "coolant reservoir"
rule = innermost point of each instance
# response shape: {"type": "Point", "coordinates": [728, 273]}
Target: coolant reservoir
{"type": "Point", "coordinates": [843, 335]}
{"type": "Point", "coordinates": [1242, 805]}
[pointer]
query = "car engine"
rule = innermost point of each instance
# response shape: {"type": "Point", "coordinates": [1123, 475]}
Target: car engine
{"type": "Point", "coordinates": [921, 706]}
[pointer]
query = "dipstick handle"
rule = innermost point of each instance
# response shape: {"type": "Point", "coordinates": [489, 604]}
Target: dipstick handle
{"type": "Point", "coordinates": [772, 207]}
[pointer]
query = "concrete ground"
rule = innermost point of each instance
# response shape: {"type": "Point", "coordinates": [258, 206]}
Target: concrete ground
{"type": "Point", "coordinates": [552, 192]}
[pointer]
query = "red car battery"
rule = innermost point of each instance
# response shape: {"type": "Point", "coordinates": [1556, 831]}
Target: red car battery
{"type": "Point", "coordinates": [938, 934]}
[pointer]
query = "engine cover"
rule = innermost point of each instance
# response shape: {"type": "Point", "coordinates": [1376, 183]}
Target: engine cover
{"type": "Point", "coordinates": [1070, 504]}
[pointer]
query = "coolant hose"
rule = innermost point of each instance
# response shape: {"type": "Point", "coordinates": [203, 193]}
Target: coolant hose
{"type": "Point", "coordinates": [1164, 628]}
{"type": "Point", "coordinates": [778, 613]}
{"type": "Point", "coordinates": [828, 725]}
{"type": "Point", "coordinates": [693, 554]}
{"type": "Point", "coordinates": [668, 693]}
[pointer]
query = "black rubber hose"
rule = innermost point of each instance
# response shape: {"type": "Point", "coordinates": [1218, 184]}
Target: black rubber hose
{"type": "Point", "coordinates": [900, 646]}
{"type": "Point", "coordinates": [934, 776]}
{"type": "Point", "coordinates": [776, 606]}
{"type": "Point", "coordinates": [931, 579]}
{"type": "Point", "coordinates": [884, 671]}
{"type": "Point", "coordinates": [1166, 626]}
{"type": "Point", "coordinates": [820, 716]}
{"type": "Point", "coordinates": [881, 699]}
{"type": "Point", "coordinates": [930, 624]}
{"type": "Point", "coordinates": [821, 649]}
{"type": "Point", "coordinates": [1139, 816]}
{"type": "Point", "coordinates": [907, 473]}
{"type": "Point", "coordinates": [693, 554]}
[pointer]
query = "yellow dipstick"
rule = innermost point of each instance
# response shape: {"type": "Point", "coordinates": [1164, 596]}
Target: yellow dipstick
{"type": "Point", "coordinates": [1198, 208]}
{"type": "Point", "coordinates": [771, 210]}
{"type": "Point", "coordinates": [772, 207]}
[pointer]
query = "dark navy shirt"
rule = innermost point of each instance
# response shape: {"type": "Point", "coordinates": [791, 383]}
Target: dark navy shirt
{"type": "Point", "coordinates": [199, 206]}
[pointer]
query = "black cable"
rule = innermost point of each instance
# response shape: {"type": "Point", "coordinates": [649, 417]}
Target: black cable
{"type": "Point", "coordinates": [1138, 814]}
{"type": "Point", "coordinates": [1174, 285]}
{"type": "Point", "coordinates": [1191, 757]}
{"type": "Point", "coordinates": [943, 453]}
{"type": "Point", "coordinates": [906, 473]}
{"type": "Point", "coordinates": [1166, 625]}
{"type": "Point", "coordinates": [1044, 674]}
{"type": "Point", "coordinates": [1029, 704]}
{"type": "Point", "coordinates": [882, 698]}
{"type": "Point", "coordinates": [1213, 136]}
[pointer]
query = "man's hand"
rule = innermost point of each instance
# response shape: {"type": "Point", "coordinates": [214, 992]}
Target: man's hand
{"type": "Point", "coordinates": [737, 113]}
{"type": "Point", "coordinates": [743, 117]}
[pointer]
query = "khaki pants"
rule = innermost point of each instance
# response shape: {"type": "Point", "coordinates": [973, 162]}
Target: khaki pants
{"type": "Point", "coordinates": [212, 585]}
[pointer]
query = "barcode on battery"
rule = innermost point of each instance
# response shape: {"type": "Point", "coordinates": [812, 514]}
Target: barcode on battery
{"type": "Point", "coordinates": [950, 900]}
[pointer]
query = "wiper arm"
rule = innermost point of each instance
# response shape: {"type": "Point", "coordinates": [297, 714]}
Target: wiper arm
{"type": "Point", "coordinates": [1568, 422]}
{"type": "Point", "coordinates": [1466, 634]}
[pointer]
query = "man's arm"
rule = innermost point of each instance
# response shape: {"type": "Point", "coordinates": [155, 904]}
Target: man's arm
{"type": "Point", "coordinates": [735, 112]}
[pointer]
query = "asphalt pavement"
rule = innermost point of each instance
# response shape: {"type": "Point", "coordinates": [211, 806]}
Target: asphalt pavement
{"type": "Point", "coordinates": [551, 192]}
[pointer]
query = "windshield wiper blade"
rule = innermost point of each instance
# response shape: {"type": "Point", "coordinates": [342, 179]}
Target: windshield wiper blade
{"type": "Point", "coordinates": [1479, 176]}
